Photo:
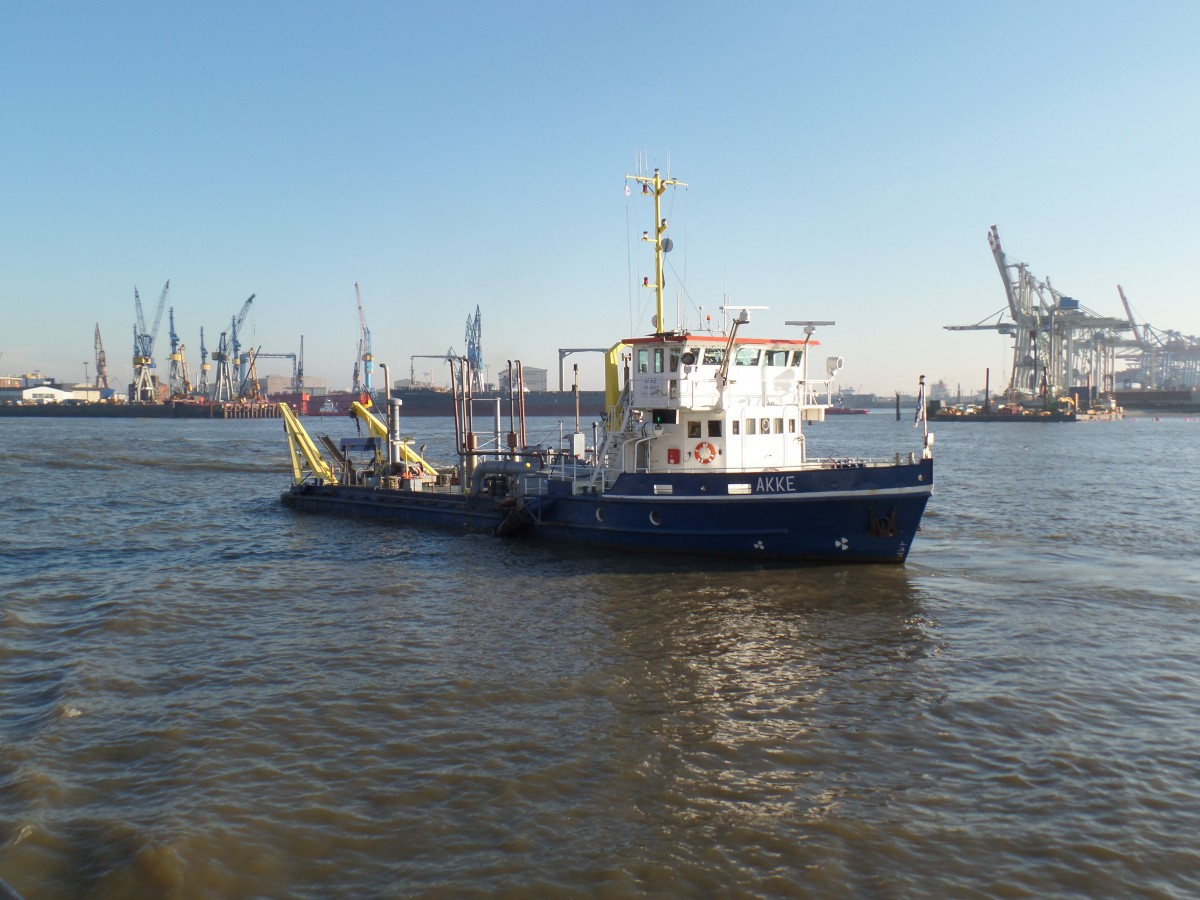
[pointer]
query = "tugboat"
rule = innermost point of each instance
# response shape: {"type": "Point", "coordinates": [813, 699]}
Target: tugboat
{"type": "Point", "coordinates": [702, 451]}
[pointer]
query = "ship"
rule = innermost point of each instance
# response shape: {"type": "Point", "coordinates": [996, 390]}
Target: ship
{"type": "Point", "coordinates": [1008, 412]}
{"type": "Point", "coordinates": [702, 452]}
{"type": "Point", "coordinates": [1146, 400]}
{"type": "Point", "coordinates": [1011, 410]}
{"type": "Point", "coordinates": [168, 409]}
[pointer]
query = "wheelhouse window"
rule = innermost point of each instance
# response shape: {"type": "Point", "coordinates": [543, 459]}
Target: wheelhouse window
{"type": "Point", "coordinates": [714, 356]}
{"type": "Point", "coordinates": [797, 358]}
{"type": "Point", "coordinates": [674, 360]}
{"type": "Point", "coordinates": [714, 427]}
{"type": "Point", "coordinates": [643, 364]}
{"type": "Point", "coordinates": [693, 429]}
{"type": "Point", "coordinates": [747, 356]}
{"type": "Point", "coordinates": [658, 359]}
{"type": "Point", "coordinates": [776, 358]}
{"type": "Point", "coordinates": [737, 426]}
{"type": "Point", "coordinates": [751, 426]}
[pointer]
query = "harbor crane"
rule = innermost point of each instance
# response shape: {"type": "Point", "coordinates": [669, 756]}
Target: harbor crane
{"type": "Point", "coordinates": [222, 387]}
{"type": "Point", "coordinates": [474, 341]}
{"type": "Point", "coordinates": [185, 381]}
{"type": "Point", "coordinates": [143, 348]}
{"type": "Point", "coordinates": [101, 362]}
{"type": "Point", "coordinates": [202, 387]}
{"type": "Point", "coordinates": [248, 388]}
{"type": "Point", "coordinates": [235, 346]}
{"type": "Point", "coordinates": [1159, 360]}
{"type": "Point", "coordinates": [1058, 344]}
{"type": "Point", "coordinates": [365, 385]}
{"type": "Point", "coordinates": [178, 381]}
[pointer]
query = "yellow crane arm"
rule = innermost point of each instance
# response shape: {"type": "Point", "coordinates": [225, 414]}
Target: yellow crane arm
{"type": "Point", "coordinates": [300, 445]}
{"type": "Point", "coordinates": [379, 430]}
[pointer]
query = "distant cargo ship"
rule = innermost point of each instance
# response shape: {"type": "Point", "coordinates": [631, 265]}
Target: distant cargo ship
{"type": "Point", "coordinates": [1183, 400]}
{"type": "Point", "coordinates": [172, 409]}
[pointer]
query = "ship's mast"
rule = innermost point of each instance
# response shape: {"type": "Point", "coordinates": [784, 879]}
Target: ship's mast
{"type": "Point", "coordinates": [657, 186]}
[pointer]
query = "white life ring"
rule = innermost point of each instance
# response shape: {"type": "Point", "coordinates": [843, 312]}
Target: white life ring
{"type": "Point", "coordinates": [705, 452]}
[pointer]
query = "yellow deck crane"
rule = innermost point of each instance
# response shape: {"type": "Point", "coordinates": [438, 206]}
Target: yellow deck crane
{"type": "Point", "coordinates": [303, 451]}
{"type": "Point", "coordinates": [379, 430]}
{"type": "Point", "coordinates": [307, 460]}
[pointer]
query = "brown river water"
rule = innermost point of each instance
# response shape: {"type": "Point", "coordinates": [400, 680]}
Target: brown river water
{"type": "Point", "coordinates": [206, 694]}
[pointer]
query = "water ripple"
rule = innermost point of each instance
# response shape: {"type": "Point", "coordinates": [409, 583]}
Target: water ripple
{"type": "Point", "coordinates": [205, 694]}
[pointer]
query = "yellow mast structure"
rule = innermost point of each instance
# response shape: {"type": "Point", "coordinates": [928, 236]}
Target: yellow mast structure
{"type": "Point", "coordinates": [657, 185]}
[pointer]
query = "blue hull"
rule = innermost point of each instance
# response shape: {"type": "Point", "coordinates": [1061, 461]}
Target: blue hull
{"type": "Point", "coordinates": [850, 515]}
{"type": "Point", "coordinates": [829, 515]}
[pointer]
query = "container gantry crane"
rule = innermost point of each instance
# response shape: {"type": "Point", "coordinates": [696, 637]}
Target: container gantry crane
{"type": "Point", "coordinates": [143, 348]}
{"type": "Point", "coordinates": [1159, 360]}
{"type": "Point", "coordinates": [1058, 344]}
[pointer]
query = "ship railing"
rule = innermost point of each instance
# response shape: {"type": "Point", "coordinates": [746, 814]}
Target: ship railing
{"type": "Point", "coordinates": [610, 459]}
{"type": "Point", "coordinates": [831, 462]}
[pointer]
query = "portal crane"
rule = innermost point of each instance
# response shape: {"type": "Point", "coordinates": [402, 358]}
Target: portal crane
{"type": "Point", "coordinates": [185, 380]}
{"type": "Point", "coordinates": [364, 348]}
{"type": "Point", "coordinates": [177, 379]}
{"type": "Point", "coordinates": [222, 387]}
{"type": "Point", "coordinates": [143, 348]}
{"type": "Point", "coordinates": [235, 346]}
{"type": "Point", "coordinates": [474, 341]}
{"type": "Point", "coordinates": [248, 389]}
{"type": "Point", "coordinates": [101, 363]}
{"type": "Point", "coordinates": [202, 387]}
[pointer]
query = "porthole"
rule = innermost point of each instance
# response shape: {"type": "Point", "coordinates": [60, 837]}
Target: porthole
{"type": "Point", "coordinates": [599, 514]}
{"type": "Point", "coordinates": [655, 517]}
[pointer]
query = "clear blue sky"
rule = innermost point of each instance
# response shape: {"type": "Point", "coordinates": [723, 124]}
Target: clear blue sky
{"type": "Point", "coordinates": [845, 162]}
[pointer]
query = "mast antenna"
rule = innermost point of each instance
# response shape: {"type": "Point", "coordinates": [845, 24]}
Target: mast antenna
{"type": "Point", "coordinates": [657, 186]}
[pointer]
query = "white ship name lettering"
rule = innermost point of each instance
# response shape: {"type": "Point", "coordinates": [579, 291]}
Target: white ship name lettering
{"type": "Point", "coordinates": [775, 484]}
